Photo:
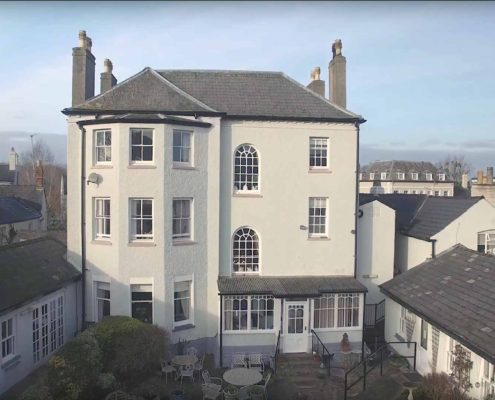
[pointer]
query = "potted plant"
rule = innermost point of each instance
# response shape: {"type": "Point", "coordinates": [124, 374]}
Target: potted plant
{"type": "Point", "coordinates": [231, 393]}
{"type": "Point", "coordinates": [256, 393]}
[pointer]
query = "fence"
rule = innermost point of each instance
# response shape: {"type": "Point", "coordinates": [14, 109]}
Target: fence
{"type": "Point", "coordinates": [374, 313]}
{"type": "Point", "coordinates": [319, 348]}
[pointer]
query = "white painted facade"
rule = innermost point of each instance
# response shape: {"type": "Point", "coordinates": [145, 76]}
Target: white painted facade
{"type": "Point", "coordinates": [432, 188]}
{"type": "Point", "coordinates": [24, 360]}
{"type": "Point", "coordinates": [431, 360]}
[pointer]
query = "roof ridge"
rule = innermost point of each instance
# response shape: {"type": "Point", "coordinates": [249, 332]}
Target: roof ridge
{"type": "Point", "coordinates": [243, 71]}
{"type": "Point", "coordinates": [180, 91]}
{"type": "Point", "coordinates": [344, 110]}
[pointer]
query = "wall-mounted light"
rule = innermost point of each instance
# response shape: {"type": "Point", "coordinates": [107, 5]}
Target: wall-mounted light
{"type": "Point", "coordinates": [303, 227]}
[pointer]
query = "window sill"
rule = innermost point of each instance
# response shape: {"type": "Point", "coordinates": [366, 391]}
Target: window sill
{"type": "Point", "coordinates": [318, 238]}
{"type": "Point", "coordinates": [186, 167]}
{"type": "Point", "coordinates": [142, 166]}
{"type": "Point", "coordinates": [183, 327]}
{"type": "Point", "coordinates": [102, 166]}
{"type": "Point", "coordinates": [338, 329]}
{"type": "Point", "coordinates": [247, 194]}
{"type": "Point", "coordinates": [250, 331]}
{"type": "Point", "coordinates": [243, 273]}
{"type": "Point", "coordinates": [185, 242]}
{"type": "Point", "coordinates": [319, 171]}
{"type": "Point", "coordinates": [11, 362]}
{"type": "Point", "coordinates": [141, 244]}
{"type": "Point", "coordinates": [102, 242]}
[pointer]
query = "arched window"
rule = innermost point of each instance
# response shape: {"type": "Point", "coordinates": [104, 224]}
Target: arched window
{"type": "Point", "coordinates": [246, 169]}
{"type": "Point", "coordinates": [245, 251]}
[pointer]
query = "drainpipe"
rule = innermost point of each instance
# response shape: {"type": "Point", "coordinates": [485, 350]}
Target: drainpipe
{"type": "Point", "coordinates": [356, 206]}
{"type": "Point", "coordinates": [221, 331]}
{"type": "Point", "coordinates": [83, 225]}
{"type": "Point", "coordinates": [362, 335]}
{"type": "Point", "coordinates": [433, 248]}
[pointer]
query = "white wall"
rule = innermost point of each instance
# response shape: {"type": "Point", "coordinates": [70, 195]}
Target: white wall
{"type": "Point", "coordinates": [16, 369]}
{"type": "Point", "coordinates": [410, 186]}
{"type": "Point", "coordinates": [410, 252]}
{"type": "Point", "coordinates": [376, 248]}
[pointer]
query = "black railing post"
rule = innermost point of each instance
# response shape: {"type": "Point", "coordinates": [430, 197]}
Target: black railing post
{"type": "Point", "coordinates": [345, 386]}
{"type": "Point", "coordinates": [364, 376]}
{"type": "Point", "coordinates": [381, 361]}
{"type": "Point", "coordinates": [414, 367]}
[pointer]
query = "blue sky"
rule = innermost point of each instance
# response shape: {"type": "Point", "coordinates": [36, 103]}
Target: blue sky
{"type": "Point", "coordinates": [421, 73]}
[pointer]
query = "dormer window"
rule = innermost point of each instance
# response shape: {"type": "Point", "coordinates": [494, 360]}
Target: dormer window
{"type": "Point", "coordinates": [360, 176]}
{"type": "Point", "coordinates": [383, 176]}
{"type": "Point", "coordinates": [429, 176]}
{"type": "Point", "coordinates": [414, 176]}
{"type": "Point", "coordinates": [441, 177]}
{"type": "Point", "coordinates": [372, 176]}
{"type": "Point", "coordinates": [400, 176]}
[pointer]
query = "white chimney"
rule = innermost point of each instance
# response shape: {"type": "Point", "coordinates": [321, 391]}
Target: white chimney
{"type": "Point", "coordinates": [13, 160]}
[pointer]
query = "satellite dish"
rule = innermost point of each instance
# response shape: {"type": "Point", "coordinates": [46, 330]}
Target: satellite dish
{"type": "Point", "coordinates": [93, 178]}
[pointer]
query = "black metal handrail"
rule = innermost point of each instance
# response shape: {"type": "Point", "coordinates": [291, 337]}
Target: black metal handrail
{"type": "Point", "coordinates": [277, 352]}
{"type": "Point", "coordinates": [367, 370]}
{"type": "Point", "coordinates": [325, 359]}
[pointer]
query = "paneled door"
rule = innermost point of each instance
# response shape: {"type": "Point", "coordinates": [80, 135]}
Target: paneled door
{"type": "Point", "coordinates": [296, 327]}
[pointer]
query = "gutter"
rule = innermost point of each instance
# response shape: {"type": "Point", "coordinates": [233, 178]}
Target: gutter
{"type": "Point", "coordinates": [83, 225]}
{"type": "Point", "coordinates": [356, 205]}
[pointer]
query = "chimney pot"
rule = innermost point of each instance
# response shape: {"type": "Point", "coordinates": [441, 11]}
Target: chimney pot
{"type": "Point", "coordinates": [316, 85]}
{"type": "Point", "coordinates": [337, 48]}
{"type": "Point", "coordinates": [108, 65]}
{"type": "Point", "coordinates": [107, 80]}
{"type": "Point", "coordinates": [82, 39]}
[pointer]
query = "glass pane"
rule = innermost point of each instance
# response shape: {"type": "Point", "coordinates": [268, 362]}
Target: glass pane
{"type": "Point", "coordinates": [177, 154]}
{"type": "Point", "coordinates": [291, 326]}
{"type": "Point", "coordinates": [100, 154]}
{"type": "Point", "coordinates": [136, 153]}
{"type": "Point", "coordinates": [299, 325]}
{"type": "Point", "coordinates": [139, 296]}
{"type": "Point", "coordinates": [148, 137]}
{"type": "Point", "coordinates": [108, 138]}
{"type": "Point", "coordinates": [136, 137]}
{"type": "Point", "coordinates": [148, 153]}
{"type": "Point", "coordinates": [143, 312]}
{"type": "Point", "coordinates": [176, 139]}
{"type": "Point", "coordinates": [299, 313]}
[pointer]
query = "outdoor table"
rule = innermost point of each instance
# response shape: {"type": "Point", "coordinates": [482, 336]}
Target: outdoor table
{"type": "Point", "coordinates": [185, 360]}
{"type": "Point", "coordinates": [242, 376]}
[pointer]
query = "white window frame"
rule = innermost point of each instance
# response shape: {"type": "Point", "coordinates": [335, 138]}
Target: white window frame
{"type": "Point", "coordinates": [446, 193]}
{"type": "Point", "coordinates": [97, 299]}
{"type": "Point", "coordinates": [428, 176]}
{"type": "Point", "coordinates": [360, 176]}
{"type": "Point", "coordinates": [181, 148]}
{"type": "Point", "coordinates": [441, 177]}
{"type": "Point", "coordinates": [107, 149]}
{"type": "Point", "coordinates": [133, 219]}
{"type": "Point", "coordinates": [424, 329]}
{"type": "Point", "coordinates": [401, 176]}
{"type": "Point", "coordinates": [321, 144]}
{"type": "Point", "coordinates": [253, 266]}
{"type": "Point", "coordinates": [488, 241]}
{"type": "Point", "coordinates": [7, 339]}
{"type": "Point", "coordinates": [405, 316]}
{"type": "Point", "coordinates": [136, 287]}
{"type": "Point", "coordinates": [187, 236]}
{"type": "Point", "coordinates": [100, 220]}
{"type": "Point", "coordinates": [372, 176]}
{"type": "Point", "coordinates": [249, 310]}
{"type": "Point", "coordinates": [331, 311]}
{"type": "Point", "coordinates": [246, 156]}
{"type": "Point", "coordinates": [48, 327]}
{"type": "Point", "coordinates": [414, 176]}
{"type": "Point", "coordinates": [313, 216]}
{"type": "Point", "coordinates": [190, 280]}
{"type": "Point", "coordinates": [142, 145]}
{"type": "Point", "coordinates": [383, 176]}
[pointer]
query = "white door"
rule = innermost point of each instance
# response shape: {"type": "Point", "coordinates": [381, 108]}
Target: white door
{"type": "Point", "coordinates": [296, 327]}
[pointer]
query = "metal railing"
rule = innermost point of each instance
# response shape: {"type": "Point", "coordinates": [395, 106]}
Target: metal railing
{"type": "Point", "coordinates": [371, 362]}
{"type": "Point", "coordinates": [277, 352]}
{"type": "Point", "coordinates": [374, 313]}
{"type": "Point", "coordinates": [325, 358]}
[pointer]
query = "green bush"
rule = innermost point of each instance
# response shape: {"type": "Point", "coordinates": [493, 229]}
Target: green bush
{"type": "Point", "coordinates": [36, 392]}
{"type": "Point", "coordinates": [404, 395]}
{"type": "Point", "coordinates": [73, 371]}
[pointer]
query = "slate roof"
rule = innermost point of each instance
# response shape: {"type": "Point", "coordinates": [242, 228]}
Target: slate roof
{"type": "Point", "coordinates": [27, 192]}
{"type": "Point", "coordinates": [13, 209]}
{"type": "Point", "coordinates": [232, 94]}
{"type": "Point", "coordinates": [422, 216]}
{"type": "Point", "coordinates": [454, 292]}
{"type": "Point", "coordinates": [32, 269]}
{"type": "Point", "coordinates": [6, 175]}
{"type": "Point", "coordinates": [289, 286]}
{"type": "Point", "coordinates": [392, 167]}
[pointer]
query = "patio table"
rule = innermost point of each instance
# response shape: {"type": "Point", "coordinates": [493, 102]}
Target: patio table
{"type": "Point", "coordinates": [242, 376]}
{"type": "Point", "coordinates": [185, 360]}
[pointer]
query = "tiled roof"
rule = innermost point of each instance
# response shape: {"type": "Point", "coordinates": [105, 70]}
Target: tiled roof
{"type": "Point", "coordinates": [235, 94]}
{"type": "Point", "coordinates": [31, 269]}
{"type": "Point", "coordinates": [13, 209]}
{"type": "Point", "coordinates": [6, 175]}
{"type": "Point", "coordinates": [422, 216]}
{"type": "Point", "coordinates": [27, 192]}
{"type": "Point", "coordinates": [454, 292]}
{"type": "Point", "coordinates": [289, 286]}
{"type": "Point", "coordinates": [392, 167]}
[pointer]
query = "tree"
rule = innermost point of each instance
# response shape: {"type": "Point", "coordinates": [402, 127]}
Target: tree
{"type": "Point", "coordinates": [454, 167]}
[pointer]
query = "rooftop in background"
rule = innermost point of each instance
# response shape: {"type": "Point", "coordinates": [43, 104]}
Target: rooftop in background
{"type": "Point", "coordinates": [14, 209]}
{"type": "Point", "coordinates": [32, 269]}
{"type": "Point", "coordinates": [287, 286]}
{"type": "Point", "coordinates": [6, 175]}
{"type": "Point", "coordinates": [454, 292]}
{"type": "Point", "coordinates": [393, 167]}
{"type": "Point", "coordinates": [243, 94]}
{"type": "Point", "coordinates": [27, 192]}
{"type": "Point", "coordinates": [422, 216]}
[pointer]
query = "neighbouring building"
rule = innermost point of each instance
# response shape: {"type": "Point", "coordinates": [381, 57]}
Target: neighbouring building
{"type": "Point", "coordinates": [446, 301]}
{"type": "Point", "coordinates": [406, 177]}
{"type": "Point", "coordinates": [9, 172]}
{"type": "Point", "coordinates": [220, 205]}
{"type": "Point", "coordinates": [40, 306]}
{"type": "Point", "coordinates": [484, 185]}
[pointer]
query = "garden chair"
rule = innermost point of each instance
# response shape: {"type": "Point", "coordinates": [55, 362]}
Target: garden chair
{"type": "Point", "coordinates": [264, 385]}
{"type": "Point", "coordinates": [199, 365]}
{"type": "Point", "coordinates": [167, 367]}
{"type": "Point", "coordinates": [192, 351]}
{"type": "Point", "coordinates": [244, 393]}
{"type": "Point", "coordinates": [256, 361]}
{"type": "Point", "coordinates": [211, 381]}
{"type": "Point", "coordinates": [238, 360]}
{"type": "Point", "coordinates": [211, 392]}
{"type": "Point", "coordinates": [187, 371]}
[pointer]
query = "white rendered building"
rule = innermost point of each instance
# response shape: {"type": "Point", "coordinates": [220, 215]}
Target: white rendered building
{"type": "Point", "coordinates": [220, 205]}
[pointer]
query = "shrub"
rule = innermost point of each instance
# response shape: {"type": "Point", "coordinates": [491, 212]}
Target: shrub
{"type": "Point", "coordinates": [404, 395]}
{"type": "Point", "coordinates": [36, 392]}
{"type": "Point", "coordinates": [73, 371]}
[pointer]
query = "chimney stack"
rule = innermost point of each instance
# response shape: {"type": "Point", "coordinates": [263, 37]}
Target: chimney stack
{"type": "Point", "coordinates": [107, 80]}
{"type": "Point", "coordinates": [13, 160]}
{"type": "Point", "coordinates": [83, 70]}
{"type": "Point", "coordinates": [316, 84]}
{"type": "Point", "coordinates": [465, 180]}
{"type": "Point", "coordinates": [38, 176]}
{"type": "Point", "coordinates": [337, 75]}
{"type": "Point", "coordinates": [489, 176]}
{"type": "Point", "coordinates": [479, 177]}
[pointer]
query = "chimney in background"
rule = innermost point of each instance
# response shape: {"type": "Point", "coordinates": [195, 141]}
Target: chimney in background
{"type": "Point", "coordinates": [479, 177]}
{"type": "Point", "coordinates": [489, 176]}
{"type": "Point", "coordinates": [337, 75]}
{"type": "Point", "coordinates": [316, 84]}
{"type": "Point", "coordinates": [107, 80]}
{"type": "Point", "coordinates": [38, 176]}
{"type": "Point", "coordinates": [465, 181]}
{"type": "Point", "coordinates": [83, 70]}
{"type": "Point", "coordinates": [13, 160]}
